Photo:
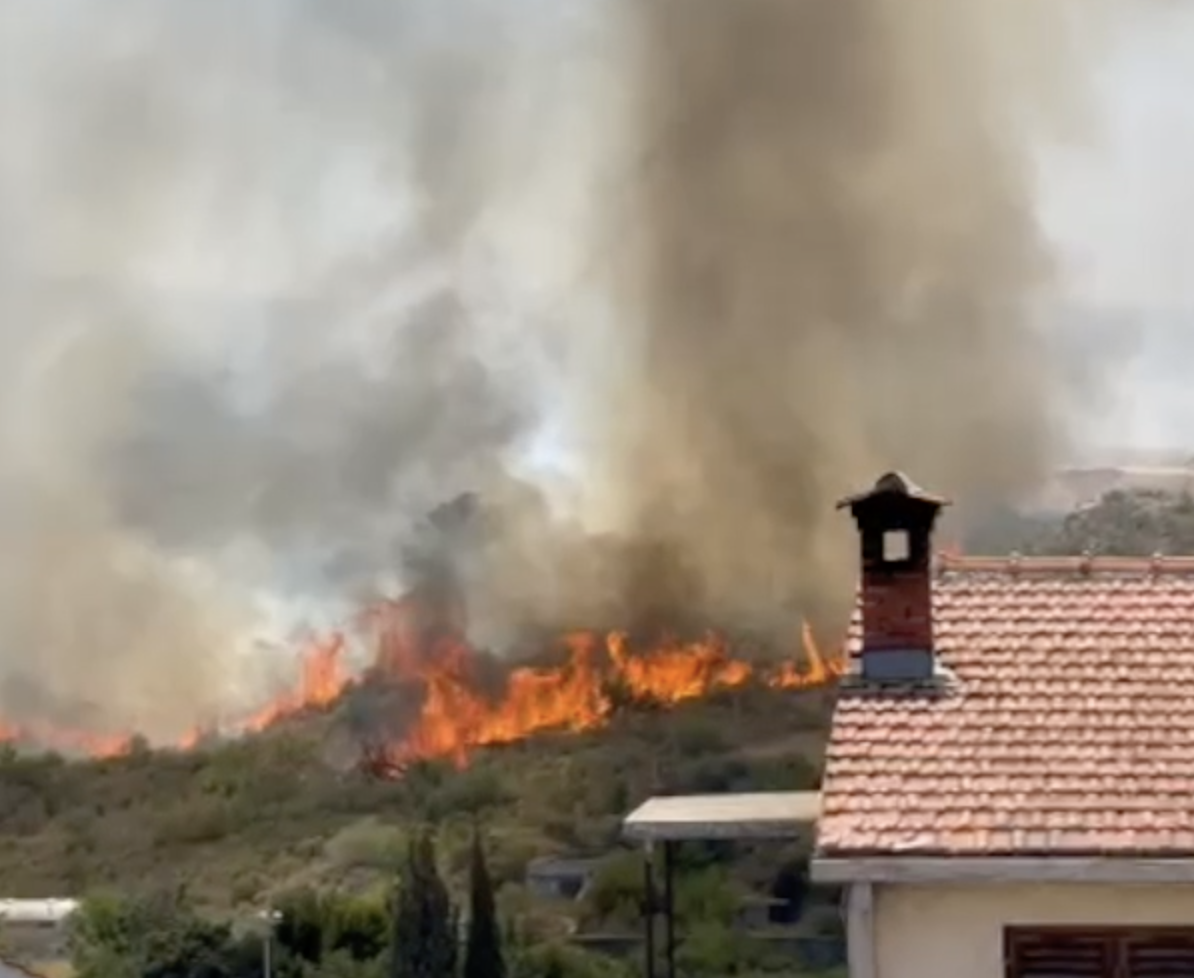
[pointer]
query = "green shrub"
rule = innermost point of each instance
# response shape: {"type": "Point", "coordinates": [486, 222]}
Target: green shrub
{"type": "Point", "coordinates": [367, 844]}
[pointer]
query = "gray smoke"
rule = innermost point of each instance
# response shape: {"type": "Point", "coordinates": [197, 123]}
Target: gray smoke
{"type": "Point", "coordinates": [263, 309]}
{"type": "Point", "coordinates": [829, 264]}
{"type": "Point", "coordinates": [840, 271]}
{"type": "Point", "coordinates": [247, 341]}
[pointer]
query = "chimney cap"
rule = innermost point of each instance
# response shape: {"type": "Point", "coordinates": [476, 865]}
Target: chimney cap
{"type": "Point", "coordinates": [892, 484]}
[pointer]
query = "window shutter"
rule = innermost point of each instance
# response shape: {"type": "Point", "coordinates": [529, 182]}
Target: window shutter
{"type": "Point", "coordinates": [1061, 956]}
{"type": "Point", "coordinates": [1160, 956]}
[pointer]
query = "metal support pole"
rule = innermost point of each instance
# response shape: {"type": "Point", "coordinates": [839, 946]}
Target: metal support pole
{"type": "Point", "coordinates": [271, 917]}
{"type": "Point", "coordinates": [649, 911]}
{"type": "Point", "coordinates": [669, 907]}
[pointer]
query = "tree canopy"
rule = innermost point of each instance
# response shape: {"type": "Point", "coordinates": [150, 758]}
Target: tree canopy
{"type": "Point", "coordinates": [483, 954]}
{"type": "Point", "coordinates": [425, 940]}
{"type": "Point", "coordinates": [1122, 523]}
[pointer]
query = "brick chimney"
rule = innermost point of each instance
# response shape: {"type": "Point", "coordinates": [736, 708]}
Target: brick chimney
{"type": "Point", "coordinates": [895, 527]}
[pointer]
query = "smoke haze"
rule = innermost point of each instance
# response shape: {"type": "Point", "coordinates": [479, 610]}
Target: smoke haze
{"type": "Point", "coordinates": [840, 272]}
{"type": "Point", "coordinates": [276, 284]}
{"type": "Point", "coordinates": [239, 355]}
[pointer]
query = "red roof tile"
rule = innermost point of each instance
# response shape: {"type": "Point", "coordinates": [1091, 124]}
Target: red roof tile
{"type": "Point", "coordinates": [1064, 724]}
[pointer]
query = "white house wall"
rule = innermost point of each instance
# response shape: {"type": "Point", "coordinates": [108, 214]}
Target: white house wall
{"type": "Point", "coordinates": [937, 931]}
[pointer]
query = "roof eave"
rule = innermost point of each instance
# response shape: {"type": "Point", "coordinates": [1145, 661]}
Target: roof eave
{"type": "Point", "coordinates": [1126, 868]}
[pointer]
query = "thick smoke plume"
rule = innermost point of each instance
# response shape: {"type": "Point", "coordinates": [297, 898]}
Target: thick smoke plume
{"type": "Point", "coordinates": [829, 263]}
{"type": "Point", "coordinates": [234, 362]}
{"type": "Point", "coordinates": [839, 270]}
{"type": "Point", "coordinates": [276, 284]}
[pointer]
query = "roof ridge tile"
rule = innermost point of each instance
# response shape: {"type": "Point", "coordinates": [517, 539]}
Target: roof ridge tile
{"type": "Point", "coordinates": [1016, 564]}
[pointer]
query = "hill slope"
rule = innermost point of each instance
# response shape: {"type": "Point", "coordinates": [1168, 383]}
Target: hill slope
{"type": "Point", "coordinates": [244, 820]}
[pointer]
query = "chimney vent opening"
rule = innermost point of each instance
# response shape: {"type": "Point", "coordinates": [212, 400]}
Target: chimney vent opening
{"type": "Point", "coordinates": [897, 547]}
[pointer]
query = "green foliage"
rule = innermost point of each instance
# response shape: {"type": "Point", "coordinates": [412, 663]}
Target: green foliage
{"type": "Point", "coordinates": [565, 961]}
{"type": "Point", "coordinates": [301, 929]}
{"type": "Point", "coordinates": [150, 937]}
{"type": "Point", "coordinates": [368, 845]}
{"type": "Point", "coordinates": [468, 792]}
{"type": "Point", "coordinates": [424, 934]}
{"type": "Point", "coordinates": [242, 821]}
{"type": "Point", "coordinates": [162, 936]}
{"type": "Point", "coordinates": [616, 894]}
{"type": "Point", "coordinates": [359, 928]}
{"type": "Point", "coordinates": [270, 821]}
{"type": "Point", "coordinates": [704, 898]}
{"type": "Point", "coordinates": [615, 898]}
{"type": "Point", "coordinates": [483, 955]}
{"type": "Point", "coordinates": [340, 964]}
{"type": "Point", "coordinates": [315, 926]}
{"type": "Point", "coordinates": [715, 949]}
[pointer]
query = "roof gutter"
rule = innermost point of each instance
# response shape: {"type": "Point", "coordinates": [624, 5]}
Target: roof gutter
{"type": "Point", "coordinates": [1003, 869]}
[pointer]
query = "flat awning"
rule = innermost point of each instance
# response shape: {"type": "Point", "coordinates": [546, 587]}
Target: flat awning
{"type": "Point", "coordinates": [757, 815]}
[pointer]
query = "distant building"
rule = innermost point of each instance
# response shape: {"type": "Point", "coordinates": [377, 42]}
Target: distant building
{"type": "Point", "coordinates": [10, 970]}
{"type": "Point", "coordinates": [552, 878]}
{"type": "Point", "coordinates": [35, 928]}
{"type": "Point", "coordinates": [760, 913]}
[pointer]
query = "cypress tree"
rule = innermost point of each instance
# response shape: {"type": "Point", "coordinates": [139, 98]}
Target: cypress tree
{"type": "Point", "coordinates": [424, 931]}
{"type": "Point", "coordinates": [483, 956]}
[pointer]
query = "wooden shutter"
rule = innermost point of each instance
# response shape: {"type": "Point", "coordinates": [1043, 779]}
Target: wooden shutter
{"type": "Point", "coordinates": [1046, 954]}
{"type": "Point", "coordinates": [1158, 955]}
{"type": "Point", "coordinates": [1105, 952]}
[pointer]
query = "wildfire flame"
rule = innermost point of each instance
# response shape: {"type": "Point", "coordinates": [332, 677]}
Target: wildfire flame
{"type": "Point", "coordinates": [458, 715]}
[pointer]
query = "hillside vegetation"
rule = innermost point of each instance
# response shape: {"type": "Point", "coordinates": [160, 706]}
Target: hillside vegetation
{"type": "Point", "coordinates": [1124, 523]}
{"type": "Point", "coordinates": [239, 821]}
{"type": "Point", "coordinates": [242, 825]}
{"type": "Point", "coordinates": [247, 819]}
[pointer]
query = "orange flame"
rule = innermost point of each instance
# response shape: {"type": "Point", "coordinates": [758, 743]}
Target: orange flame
{"type": "Point", "coordinates": [322, 679]}
{"type": "Point", "coordinates": [458, 716]}
{"type": "Point", "coordinates": [66, 740]}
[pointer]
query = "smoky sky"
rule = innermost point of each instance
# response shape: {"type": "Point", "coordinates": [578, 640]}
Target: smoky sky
{"type": "Point", "coordinates": [265, 291]}
{"type": "Point", "coordinates": [238, 334]}
{"type": "Point", "coordinates": [839, 271]}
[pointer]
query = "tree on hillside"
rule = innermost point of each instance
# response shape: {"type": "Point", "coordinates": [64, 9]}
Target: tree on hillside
{"type": "Point", "coordinates": [340, 964]}
{"type": "Point", "coordinates": [315, 926]}
{"type": "Point", "coordinates": [157, 936]}
{"type": "Point", "coordinates": [424, 935]}
{"type": "Point", "coordinates": [1129, 523]}
{"type": "Point", "coordinates": [1122, 523]}
{"type": "Point", "coordinates": [483, 957]}
{"type": "Point", "coordinates": [561, 960]}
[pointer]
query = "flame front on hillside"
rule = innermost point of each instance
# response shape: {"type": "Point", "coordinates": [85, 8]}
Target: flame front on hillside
{"type": "Point", "coordinates": [459, 713]}
{"type": "Point", "coordinates": [578, 695]}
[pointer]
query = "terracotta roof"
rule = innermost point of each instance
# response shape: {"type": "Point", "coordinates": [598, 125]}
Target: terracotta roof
{"type": "Point", "coordinates": [1063, 723]}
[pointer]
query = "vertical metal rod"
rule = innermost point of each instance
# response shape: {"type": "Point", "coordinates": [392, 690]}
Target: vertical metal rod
{"type": "Point", "coordinates": [648, 912]}
{"type": "Point", "coordinates": [267, 946]}
{"type": "Point", "coordinates": [669, 907]}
